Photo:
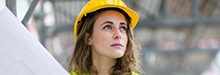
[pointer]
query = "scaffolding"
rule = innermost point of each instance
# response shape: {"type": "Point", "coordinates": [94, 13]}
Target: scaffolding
{"type": "Point", "coordinates": [183, 15]}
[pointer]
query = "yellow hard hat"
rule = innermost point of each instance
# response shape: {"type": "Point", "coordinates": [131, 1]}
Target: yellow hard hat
{"type": "Point", "coordinates": [94, 5]}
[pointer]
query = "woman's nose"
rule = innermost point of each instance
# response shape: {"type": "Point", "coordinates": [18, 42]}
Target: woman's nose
{"type": "Point", "coordinates": [117, 34]}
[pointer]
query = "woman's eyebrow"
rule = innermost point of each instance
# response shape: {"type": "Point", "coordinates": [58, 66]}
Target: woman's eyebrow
{"type": "Point", "coordinates": [123, 23]}
{"type": "Point", "coordinates": [110, 22]}
{"type": "Point", "coordinates": [107, 22]}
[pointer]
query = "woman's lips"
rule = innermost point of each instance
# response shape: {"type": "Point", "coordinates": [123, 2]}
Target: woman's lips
{"type": "Point", "coordinates": [117, 45]}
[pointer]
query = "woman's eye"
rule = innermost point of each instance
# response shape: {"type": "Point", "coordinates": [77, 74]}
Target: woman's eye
{"type": "Point", "coordinates": [107, 27]}
{"type": "Point", "coordinates": [124, 28]}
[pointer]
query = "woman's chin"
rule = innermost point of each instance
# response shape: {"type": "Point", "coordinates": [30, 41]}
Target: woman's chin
{"type": "Point", "coordinates": [117, 54]}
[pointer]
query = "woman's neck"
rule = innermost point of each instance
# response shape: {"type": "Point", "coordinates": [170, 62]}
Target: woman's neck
{"type": "Point", "coordinates": [102, 63]}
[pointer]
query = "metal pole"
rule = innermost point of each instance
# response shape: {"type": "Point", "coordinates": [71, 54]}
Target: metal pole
{"type": "Point", "coordinates": [11, 4]}
{"type": "Point", "coordinates": [42, 29]}
{"type": "Point", "coordinates": [29, 12]}
{"type": "Point", "coordinates": [165, 9]}
{"type": "Point", "coordinates": [196, 9]}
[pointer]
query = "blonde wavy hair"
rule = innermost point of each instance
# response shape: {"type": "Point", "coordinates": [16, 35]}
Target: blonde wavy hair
{"type": "Point", "coordinates": [81, 60]}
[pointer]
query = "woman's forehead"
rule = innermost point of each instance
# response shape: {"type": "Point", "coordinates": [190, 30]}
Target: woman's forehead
{"type": "Point", "coordinates": [107, 12]}
{"type": "Point", "coordinates": [111, 15]}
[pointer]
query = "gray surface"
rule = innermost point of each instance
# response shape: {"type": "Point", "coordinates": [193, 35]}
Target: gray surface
{"type": "Point", "coordinates": [20, 52]}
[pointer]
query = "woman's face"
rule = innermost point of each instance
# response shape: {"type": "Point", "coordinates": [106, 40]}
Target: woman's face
{"type": "Point", "coordinates": [109, 36]}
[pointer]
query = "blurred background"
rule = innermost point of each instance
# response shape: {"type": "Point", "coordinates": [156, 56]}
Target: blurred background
{"type": "Point", "coordinates": [177, 37]}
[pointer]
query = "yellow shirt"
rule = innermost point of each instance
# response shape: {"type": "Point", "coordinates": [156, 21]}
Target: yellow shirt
{"type": "Point", "coordinates": [74, 73]}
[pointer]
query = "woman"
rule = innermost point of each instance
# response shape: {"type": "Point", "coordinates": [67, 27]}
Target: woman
{"type": "Point", "coordinates": [104, 40]}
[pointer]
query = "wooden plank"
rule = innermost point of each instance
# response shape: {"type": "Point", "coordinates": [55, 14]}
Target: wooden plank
{"type": "Point", "coordinates": [20, 52]}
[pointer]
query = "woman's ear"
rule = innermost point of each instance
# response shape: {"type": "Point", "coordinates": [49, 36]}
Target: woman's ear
{"type": "Point", "coordinates": [87, 39]}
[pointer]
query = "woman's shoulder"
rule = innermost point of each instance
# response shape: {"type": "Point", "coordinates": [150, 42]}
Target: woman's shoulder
{"type": "Point", "coordinates": [134, 73]}
{"type": "Point", "coordinates": [75, 73]}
